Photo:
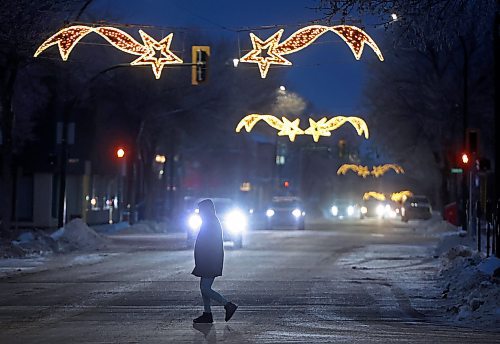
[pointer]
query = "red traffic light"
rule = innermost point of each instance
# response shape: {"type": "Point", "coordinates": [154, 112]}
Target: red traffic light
{"type": "Point", "coordinates": [120, 152]}
{"type": "Point", "coordinates": [286, 184]}
{"type": "Point", "coordinates": [465, 158]}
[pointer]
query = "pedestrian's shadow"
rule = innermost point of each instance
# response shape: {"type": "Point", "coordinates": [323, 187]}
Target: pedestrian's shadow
{"type": "Point", "coordinates": [208, 331]}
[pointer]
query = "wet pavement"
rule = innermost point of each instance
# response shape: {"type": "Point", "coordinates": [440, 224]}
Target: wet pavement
{"type": "Point", "coordinates": [339, 282]}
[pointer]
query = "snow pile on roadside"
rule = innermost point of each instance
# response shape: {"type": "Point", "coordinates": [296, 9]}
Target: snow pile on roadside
{"type": "Point", "coordinates": [471, 283]}
{"type": "Point", "coordinates": [143, 227]}
{"type": "Point", "coordinates": [35, 242]}
{"type": "Point", "coordinates": [76, 235]}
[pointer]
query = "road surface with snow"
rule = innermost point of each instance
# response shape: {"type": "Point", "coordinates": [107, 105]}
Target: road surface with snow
{"type": "Point", "coordinates": [341, 282]}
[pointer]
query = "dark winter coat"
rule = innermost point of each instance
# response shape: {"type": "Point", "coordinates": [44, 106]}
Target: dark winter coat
{"type": "Point", "coordinates": [209, 249]}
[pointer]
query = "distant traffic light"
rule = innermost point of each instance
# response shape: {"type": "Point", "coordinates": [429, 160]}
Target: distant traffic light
{"type": "Point", "coordinates": [342, 148]}
{"type": "Point", "coordinates": [199, 70]}
{"type": "Point", "coordinates": [465, 159]}
{"type": "Point", "coordinates": [286, 184]}
{"type": "Point", "coordinates": [472, 141]}
{"type": "Point", "coordinates": [120, 153]}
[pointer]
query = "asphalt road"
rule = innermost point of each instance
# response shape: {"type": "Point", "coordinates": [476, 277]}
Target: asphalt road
{"type": "Point", "coordinates": [344, 282]}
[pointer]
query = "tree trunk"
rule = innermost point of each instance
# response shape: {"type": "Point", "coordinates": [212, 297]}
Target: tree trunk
{"type": "Point", "coordinates": [7, 125]}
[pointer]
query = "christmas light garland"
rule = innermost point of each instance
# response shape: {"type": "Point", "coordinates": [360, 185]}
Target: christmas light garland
{"type": "Point", "coordinates": [378, 171]}
{"type": "Point", "coordinates": [364, 172]}
{"type": "Point", "coordinates": [316, 129]}
{"type": "Point", "coordinates": [67, 38]}
{"type": "Point", "coordinates": [354, 37]}
{"type": "Point", "coordinates": [373, 194]}
{"type": "Point", "coordinates": [401, 196]}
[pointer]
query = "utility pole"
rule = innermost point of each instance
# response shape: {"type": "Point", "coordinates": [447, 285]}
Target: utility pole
{"type": "Point", "coordinates": [465, 125]}
{"type": "Point", "coordinates": [496, 61]}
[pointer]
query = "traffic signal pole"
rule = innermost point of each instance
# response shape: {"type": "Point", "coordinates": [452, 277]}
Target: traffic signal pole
{"type": "Point", "coordinates": [496, 61]}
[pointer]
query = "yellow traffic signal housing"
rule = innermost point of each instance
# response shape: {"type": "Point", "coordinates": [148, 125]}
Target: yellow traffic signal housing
{"type": "Point", "coordinates": [199, 69]}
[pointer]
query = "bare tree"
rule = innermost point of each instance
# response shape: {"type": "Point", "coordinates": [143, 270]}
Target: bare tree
{"type": "Point", "coordinates": [438, 22]}
{"type": "Point", "coordinates": [22, 23]}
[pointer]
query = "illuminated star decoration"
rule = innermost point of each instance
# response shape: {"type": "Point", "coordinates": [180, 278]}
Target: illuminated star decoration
{"type": "Point", "coordinates": [323, 127]}
{"type": "Point", "coordinates": [362, 171]}
{"type": "Point", "coordinates": [354, 37]}
{"type": "Point", "coordinates": [317, 129]}
{"type": "Point", "coordinates": [401, 196]}
{"type": "Point", "coordinates": [269, 46]}
{"type": "Point", "coordinates": [66, 39]}
{"type": "Point", "coordinates": [378, 171]}
{"type": "Point", "coordinates": [285, 127]}
{"type": "Point", "coordinates": [149, 58]}
{"type": "Point", "coordinates": [373, 194]}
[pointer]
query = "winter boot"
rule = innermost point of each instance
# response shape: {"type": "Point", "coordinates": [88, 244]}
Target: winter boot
{"type": "Point", "coordinates": [230, 309]}
{"type": "Point", "coordinates": [205, 318]}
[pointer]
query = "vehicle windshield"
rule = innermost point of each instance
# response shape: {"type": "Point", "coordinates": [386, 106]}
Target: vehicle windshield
{"type": "Point", "coordinates": [286, 204]}
{"type": "Point", "coordinates": [342, 202]}
{"type": "Point", "coordinates": [418, 199]}
{"type": "Point", "coordinates": [222, 205]}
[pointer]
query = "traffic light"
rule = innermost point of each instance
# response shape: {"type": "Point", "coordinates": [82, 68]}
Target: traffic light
{"type": "Point", "coordinates": [120, 153]}
{"type": "Point", "coordinates": [465, 159]}
{"type": "Point", "coordinates": [472, 141]}
{"type": "Point", "coordinates": [342, 148]}
{"type": "Point", "coordinates": [199, 69]}
{"type": "Point", "coordinates": [286, 184]}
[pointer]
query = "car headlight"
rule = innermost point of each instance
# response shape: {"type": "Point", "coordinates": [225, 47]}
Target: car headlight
{"type": "Point", "coordinates": [380, 210]}
{"type": "Point", "coordinates": [235, 221]}
{"type": "Point", "coordinates": [194, 222]}
{"type": "Point", "coordinates": [270, 213]}
{"type": "Point", "coordinates": [296, 212]}
{"type": "Point", "coordinates": [364, 210]}
{"type": "Point", "coordinates": [335, 210]}
{"type": "Point", "coordinates": [350, 210]}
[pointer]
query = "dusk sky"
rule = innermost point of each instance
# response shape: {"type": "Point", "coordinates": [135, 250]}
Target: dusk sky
{"type": "Point", "coordinates": [325, 73]}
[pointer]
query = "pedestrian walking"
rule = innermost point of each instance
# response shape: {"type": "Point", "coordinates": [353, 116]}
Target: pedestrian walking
{"type": "Point", "coordinates": [209, 260]}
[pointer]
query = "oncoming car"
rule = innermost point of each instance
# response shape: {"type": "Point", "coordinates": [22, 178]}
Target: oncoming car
{"type": "Point", "coordinates": [378, 209]}
{"type": "Point", "coordinates": [286, 212]}
{"type": "Point", "coordinates": [233, 220]}
{"type": "Point", "coordinates": [344, 208]}
{"type": "Point", "coordinates": [416, 207]}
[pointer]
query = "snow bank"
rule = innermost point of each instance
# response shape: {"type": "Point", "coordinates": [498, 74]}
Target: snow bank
{"type": "Point", "coordinates": [29, 243]}
{"type": "Point", "coordinates": [144, 227]}
{"type": "Point", "coordinates": [76, 235]}
{"type": "Point", "coordinates": [471, 283]}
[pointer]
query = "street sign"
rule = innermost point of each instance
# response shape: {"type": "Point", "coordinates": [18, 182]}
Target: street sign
{"type": "Point", "coordinates": [457, 170]}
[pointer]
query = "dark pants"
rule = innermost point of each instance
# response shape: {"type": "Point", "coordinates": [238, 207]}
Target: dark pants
{"type": "Point", "coordinates": [209, 294]}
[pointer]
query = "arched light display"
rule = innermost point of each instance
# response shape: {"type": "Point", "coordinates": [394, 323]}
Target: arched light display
{"type": "Point", "coordinates": [155, 53]}
{"type": "Point", "coordinates": [401, 196]}
{"type": "Point", "coordinates": [364, 172]}
{"type": "Point", "coordinates": [373, 194]}
{"type": "Point", "coordinates": [378, 171]}
{"type": "Point", "coordinates": [316, 129]}
{"type": "Point", "coordinates": [271, 51]}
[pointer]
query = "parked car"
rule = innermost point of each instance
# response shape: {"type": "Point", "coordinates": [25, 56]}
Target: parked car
{"type": "Point", "coordinates": [286, 212]}
{"type": "Point", "coordinates": [234, 221]}
{"type": "Point", "coordinates": [416, 207]}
